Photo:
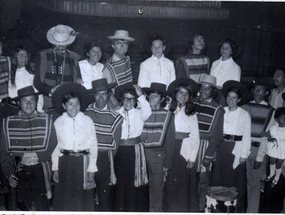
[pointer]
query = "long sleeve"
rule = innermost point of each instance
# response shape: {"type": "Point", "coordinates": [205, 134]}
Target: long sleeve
{"type": "Point", "coordinates": [55, 157]}
{"type": "Point", "coordinates": [181, 71]}
{"type": "Point", "coordinates": [145, 108]}
{"type": "Point", "coordinates": [6, 158]}
{"type": "Point", "coordinates": [172, 73]}
{"type": "Point", "coordinates": [143, 79]}
{"type": "Point", "coordinates": [92, 142]}
{"type": "Point", "coordinates": [169, 143]}
{"type": "Point", "coordinates": [246, 139]}
{"type": "Point", "coordinates": [108, 75]}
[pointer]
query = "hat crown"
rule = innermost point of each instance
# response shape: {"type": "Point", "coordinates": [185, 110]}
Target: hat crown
{"type": "Point", "coordinates": [121, 33]}
{"type": "Point", "coordinates": [208, 79]}
{"type": "Point", "coordinates": [61, 33]}
{"type": "Point", "coordinates": [99, 85]}
{"type": "Point", "coordinates": [158, 86]}
{"type": "Point", "coordinates": [26, 91]}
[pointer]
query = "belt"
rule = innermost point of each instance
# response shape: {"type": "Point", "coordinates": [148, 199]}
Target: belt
{"type": "Point", "coordinates": [232, 138]}
{"type": "Point", "coordinates": [181, 135]}
{"type": "Point", "coordinates": [255, 144]}
{"type": "Point", "coordinates": [130, 142]}
{"type": "Point", "coordinates": [73, 153]}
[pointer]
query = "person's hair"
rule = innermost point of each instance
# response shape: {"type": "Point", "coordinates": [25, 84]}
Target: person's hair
{"type": "Point", "coordinates": [235, 90]}
{"type": "Point", "coordinates": [130, 91]}
{"type": "Point", "coordinates": [68, 96]}
{"type": "Point", "coordinates": [156, 37]}
{"type": "Point", "coordinates": [189, 107]}
{"type": "Point", "coordinates": [162, 96]}
{"type": "Point", "coordinates": [14, 63]}
{"type": "Point", "coordinates": [114, 40]}
{"type": "Point", "coordinates": [232, 44]}
{"type": "Point", "coordinates": [279, 69]}
{"type": "Point", "coordinates": [279, 111]}
{"type": "Point", "coordinates": [90, 45]}
{"type": "Point", "coordinates": [191, 42]}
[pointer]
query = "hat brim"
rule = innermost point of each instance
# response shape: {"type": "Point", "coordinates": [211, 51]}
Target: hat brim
{"type": "Point", "coordinates": [243, 89]}
{"type": "Point", "coordinates": [182, 81]}
{"type": "Point", "coordinates": [212, 85]}
{"type": "Point", "coordinates": [66, 88]}
{"type": "Point", "coordinates": [54, 42]}
{"type": "Point", "coordinates": [120, 88]}
{"type": "Point", "coordinates": [148, 90]}
{"type": "Point", "coordinates": [110, 86]}
{"type": "Point", "coordinates": [121, 38]}
{"type": "Point", "coordinates": [30, 94]}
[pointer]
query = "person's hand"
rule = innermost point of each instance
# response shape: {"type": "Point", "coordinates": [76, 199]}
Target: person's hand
{"type": "Point", "coordinates": [79, 81]}
{"type": "Point", "coordinates": [206, 162]}
{"type": "Point", "coordinates": [13, 181]}
{"type": "Point", "coordinates": [138, 90]}
{"type": "Point", "coordinates": [55, 176]}
{"type": "Point", "coordinates": [271, 139]}
{"type": "Point", "coordinates": [53, 89]}
{"type": "Point", "coordinates": [190, 164]}
{"type": "Point", "coordinates": [241, 160]}
{"type": "Point", "coordinates": [90, 180]}
{"type": "Point", "coordinates": [256, 165]}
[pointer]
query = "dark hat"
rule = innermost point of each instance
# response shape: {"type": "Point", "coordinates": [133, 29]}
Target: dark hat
{"type": "Point", "coordinates": [100, 84]}
{"type": "Point", "coordinates": [161, 88]}
{"type": "Point", "coordinates": [127, 86]}
{"type": "Point", "coordinates": [241, 87]}
{"type": "Point", "coordinates": [182, 81]}
{"type": "Point", "coordinates": [67, 88]}
{"type": "Point", "coordinates": [26, 91]}
{"type": "Point", "coordinates": [262, 81]}
{"type": "Point", "coordinates": [283, 96]}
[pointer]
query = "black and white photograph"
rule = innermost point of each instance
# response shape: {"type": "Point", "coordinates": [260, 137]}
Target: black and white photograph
{"type": "Point", "coordinates": [142, 106]}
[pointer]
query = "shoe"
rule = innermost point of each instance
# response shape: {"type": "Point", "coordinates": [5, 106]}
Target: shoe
{"type": "Point", "coordinates": [268, 178]}
{"type": "Point", "coordinates": [274, 183]}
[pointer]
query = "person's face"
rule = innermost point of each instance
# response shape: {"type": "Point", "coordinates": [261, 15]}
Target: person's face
{"type": "Point", "coordinates": [278, 78]}
{"type": "Point", "coordinates": [157, 48]}
{"type": "Point", "coordinates": [28, 104]}
{"type": "Point", "coordinates": [259, 92]}
{"type": "Point", "coordinates": [120, 47]}
{"type": "Point", "coordinates": [205, 91]}
{"type": "Point", "coordinates": [155, 100]}
{"type": "Point", "coordinates": [59, 49]}
{"type": "Point", "coordinates": [72, 107]}
{"type": "Point", "coordinates": [129, 101]}
{"type": "Point", "coordinates": [101, 99]}
{"type": "Point", "coordinates": [281, 120]}
{"type": "Point", "coordinates": [182, 96]}
{"type": "Point", "coordinates": [199, 43]}
{"type": "Point", "coordinates": [95, 54]}
{"type": "Point", "coordinates": [1, 49]}
{"type": "Point", "coordinates": [232, 99]}
{"type": "Point", "coordinates": [22, 58]}
{"type": "Point", "coordinates": [226, 51]}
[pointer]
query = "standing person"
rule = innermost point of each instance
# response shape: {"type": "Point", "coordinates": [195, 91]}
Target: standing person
{"type": "Point", "coordinates": [196, 62]}
{"type": "Point", "coordinates": [230, 168]}
{"type": "Point", "coordinates": [118, 67]}
{"type": "Point", "coordinates": [91, 68]}
{"type": "Point", "coordinates": [74, 158]}
{"type": "Point", "coordinates": [31, 136]}
{"type": "Point", "coordinates": [275, 98]}
{"type": "Point", "coordinates": [131, 190]}
{"type": "Point", "coordinates": [180, 190]}
{"type": "Point", "coordinates": [225, 69]}
{"type": "Point", "coordinates": [108, 125]}
{"type": "Point", "coordinates": [56, 65]}
{"type": "Point", "coordinates": [210, 119]}
{"type": "Point", "coordinates": [261, 114]}
{"type": "Point", "coordinates": [158, 136]}
{"type": "Point", "coordinates": [157, 68]}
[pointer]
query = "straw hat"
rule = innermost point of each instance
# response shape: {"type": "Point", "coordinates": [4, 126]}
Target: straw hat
{"type": "Point", "coordinates": [208, 79]}
{"type": "Point", "coordinates": [61, 35]}
{"type": "Point", "coordinates": [121, 35]}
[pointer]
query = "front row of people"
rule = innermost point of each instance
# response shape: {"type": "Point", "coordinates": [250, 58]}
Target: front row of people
{"type": "Point", "coordinates": [144, 157]}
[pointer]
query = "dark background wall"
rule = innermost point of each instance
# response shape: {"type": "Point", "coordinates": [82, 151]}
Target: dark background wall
{"type": "Point", "coordinates": [257, 28]}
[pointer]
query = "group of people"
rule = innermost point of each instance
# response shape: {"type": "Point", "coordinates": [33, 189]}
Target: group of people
{"type": "Point", "coordinates": [90, 139]}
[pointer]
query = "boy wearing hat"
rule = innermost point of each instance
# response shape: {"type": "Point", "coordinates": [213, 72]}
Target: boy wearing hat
{"type": "Point", "coordinates": [157, 68]}
{"type": "Point", "coordinates": [31, 136]}
{"type": "Point", "coordinates": [108, 124]}
{"type": "Point", "coordinates": [56, 65]}
{"type": "Point", "coordinates": [158, 137]}
{"type": "Point", "coordinates": [210, 119]}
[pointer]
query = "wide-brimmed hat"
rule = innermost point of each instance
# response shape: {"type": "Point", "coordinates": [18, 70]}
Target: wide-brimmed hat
{"type": "Point", "coordinates": [100, 84]}
{"type": "Point", "coordinates": [182, 81]}
{"type": "Point", "coordinates": [26, 91]}
{"type": "Point", "coordinates": [208, 79]}
{"type": "Point", "coordinates": [121, 35]}
{"type": "Point", "coordinates": [262, 81]}
{"type": "Point", "coordinates": [158, 87]}
{"type": "Point", "coordinates": [61, 35]}
{"type": "Point", "coordinates": [66, 88]}
{"type": "Point", "coordinates": [240, 86]}
{"type": "Point", "coordinates": [127, 86]}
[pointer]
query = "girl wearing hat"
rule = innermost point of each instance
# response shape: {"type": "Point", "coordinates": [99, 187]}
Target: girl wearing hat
{"type": "Point", "coordinates": [230, 168]}
{"type": "Point", "coordinates": [131, 192]}
{"type": "Point", "coordinates": [74, 158]}
{"type": "Point", "coordinates": [180, 186]}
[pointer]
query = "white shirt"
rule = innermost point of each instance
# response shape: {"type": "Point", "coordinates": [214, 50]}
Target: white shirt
{"type": "Point", "coordinates": [134, 119]}
{"type": "Point", "coordinates": [75, 134]}
{"type": "Point", "coordinates": [275, 98]}
{"type": "Point", "coordinates": [225, 71]}
{"type": "Point", "coordinates": [156, 70]}
{"type": "Point", "coordinates": [90, 73]}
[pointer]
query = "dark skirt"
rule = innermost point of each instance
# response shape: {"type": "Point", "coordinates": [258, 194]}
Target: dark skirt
{"type": "Point", "coordinates": [69, 194]}
{"type": "Point", "coordinates": [225, 175]}
{"type": "Point", "coordinates": [180, 189]}
{"type": "Point", "coordinates": [127, 196]}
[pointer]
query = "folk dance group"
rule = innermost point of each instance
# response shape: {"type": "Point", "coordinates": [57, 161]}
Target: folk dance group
{"type": "Point", "coordinates": [88, 137]}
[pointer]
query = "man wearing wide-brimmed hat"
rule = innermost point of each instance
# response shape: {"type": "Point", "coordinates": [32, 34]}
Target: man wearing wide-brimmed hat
{"type": "Point", "coordinates": [31, 136]}
{"type": "Point", "coordinates": [210, 119]}
{"type": "Point", "coordinates": [56, 65]}
{"type": "Point", "coordinates": [108, 124]}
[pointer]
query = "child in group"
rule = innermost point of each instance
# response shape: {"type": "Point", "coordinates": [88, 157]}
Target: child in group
{"type": "Point", "coordinates": [276, 146]}
{"type": "Point", "coordinates": [75, 156]}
